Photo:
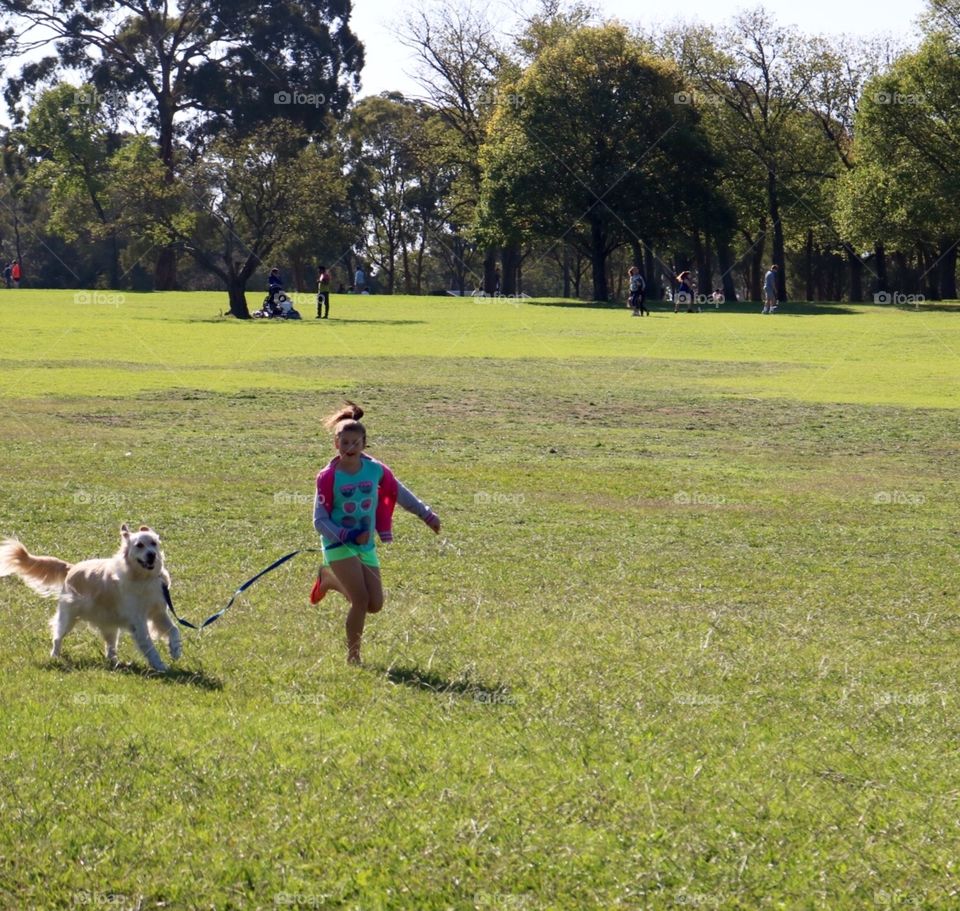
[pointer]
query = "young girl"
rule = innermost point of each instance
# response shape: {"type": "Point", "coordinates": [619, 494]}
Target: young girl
{"type": "Point", "coordinates": [356, 495]}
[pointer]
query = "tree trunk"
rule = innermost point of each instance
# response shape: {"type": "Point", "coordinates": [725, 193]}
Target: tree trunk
{"type": "Point", "coordinates": [510, 263]}
{"type": "Point", "coordinates": [948, 269]}
{"type": "Point", "coordinates": [165, 270]}
{"type": "Point", "coordinates": [779, 256]}
{"type": "Point", "coordinates": [881, 258]}
{"type": "Point", "coordinates": [725, 264]}
{"type": "Point", "coordinates": [490, 270]}
{"type": "Point", "coordinates": [566, 271]}
{"type": "Point", "coordinates": [114, 261]}
{"type": "Point", "coordinates": [808, 256]}
{"type": "Point", "coordinates": [856, 276]}
{"type": "Point", "coordinates": [930, 287]}
{"type": "Point", "coordinates": [598, 260]}
{"type": "Point", "coordinates": [701, 252]}
{"type": "Point", "coordinates": [756, 267]}
{"type": "Point", "coordinates": [650, 275]}
{"type": "Point", "coordinates": [238, 299]}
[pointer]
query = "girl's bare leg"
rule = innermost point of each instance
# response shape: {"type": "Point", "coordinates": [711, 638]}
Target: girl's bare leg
{"type": "Point", "coordinates": [351, 580]}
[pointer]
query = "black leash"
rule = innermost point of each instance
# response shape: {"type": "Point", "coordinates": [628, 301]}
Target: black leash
{"type": "Point", "coordinates": [240, 590]}
{"type": "Point", "coordinates": [166, 596]}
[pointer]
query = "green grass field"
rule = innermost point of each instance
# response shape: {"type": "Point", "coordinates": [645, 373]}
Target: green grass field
{"type": "Point", "coordinates": [688, 638]}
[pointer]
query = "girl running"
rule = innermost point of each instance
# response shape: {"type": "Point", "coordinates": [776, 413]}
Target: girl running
{"type": "Point", "coordinates": [356, 496]}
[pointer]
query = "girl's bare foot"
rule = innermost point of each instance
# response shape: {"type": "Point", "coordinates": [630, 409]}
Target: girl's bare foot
{"type": "Point", "coordinates": [354, 658]}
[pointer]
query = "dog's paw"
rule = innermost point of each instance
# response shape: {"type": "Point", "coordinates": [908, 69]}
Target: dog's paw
{"type": "Point", "coordinates": [176, 650]}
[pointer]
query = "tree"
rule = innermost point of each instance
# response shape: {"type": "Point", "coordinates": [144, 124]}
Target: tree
{"type": "Point", "coordinates": [72, 141]}
{"type": "Point", "coordinates": [463, 69]}
{"type": "Point", "coordinates": [755, 78]}
{"type": "Point", "coordinates": [231, 210]}
{"type": "Point", "coordinates": [592, 147]}
{"type": "Point", "coordinates": [908, 134]}
{"type": "Point", "coordinates": [194, 71]}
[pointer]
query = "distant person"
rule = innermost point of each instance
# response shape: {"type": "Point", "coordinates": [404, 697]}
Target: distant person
{"type": "Point", "coordinates": [274, 289]}
{"type": "Point", "coordinates": [638, 288]}
{"type": "Point", "coordinates": [359, 280]}
{"type": "Point", "coordinates": [323, 293]}
{"type": "Point", "coordinates": [16, 273]}
{"type": "Point", "coordinates": [684, 292]}
{"type": "Point", "coordinates": [6, 274]}
{"type": "Point", "coordinates": [770, 290]}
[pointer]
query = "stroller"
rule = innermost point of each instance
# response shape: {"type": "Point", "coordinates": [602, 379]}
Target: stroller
{"type": "Point", "coordinates": [276, 305]}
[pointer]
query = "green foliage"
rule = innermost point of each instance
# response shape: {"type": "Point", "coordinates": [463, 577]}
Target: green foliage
{"type": "Point", "coordinates": [590, 144]}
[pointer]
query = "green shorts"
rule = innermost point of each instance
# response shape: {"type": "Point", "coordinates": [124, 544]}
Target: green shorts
{"type": "Point", "coordinates": [367, 557]}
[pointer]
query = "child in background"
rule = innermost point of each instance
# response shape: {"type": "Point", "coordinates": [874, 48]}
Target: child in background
{"type": "Point", "coordinates": [637, 288]}
{"type": "Point", "coordinates": [356, 496]}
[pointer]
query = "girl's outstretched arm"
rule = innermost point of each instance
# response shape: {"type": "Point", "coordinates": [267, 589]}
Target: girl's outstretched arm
{"type": "Point", "coordinates": [409, 501]}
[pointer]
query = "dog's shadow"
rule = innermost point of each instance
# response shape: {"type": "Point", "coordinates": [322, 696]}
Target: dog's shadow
{"type": "Point", "coordinates": [432, 682]}
{"type": "Point", "coordinates": [174, 676]}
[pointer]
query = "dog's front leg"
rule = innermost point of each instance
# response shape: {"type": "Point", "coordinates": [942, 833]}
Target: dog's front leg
{"type": "Point", "coordinates": [110, 639]}
{"type": "Point", "coordinates": [176, 648]}
{"type": "Point", "coordinates": [141, 635]}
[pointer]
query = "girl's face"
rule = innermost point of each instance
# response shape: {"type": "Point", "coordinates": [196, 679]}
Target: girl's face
{"type": "Point", "coordinates": [349, 443]}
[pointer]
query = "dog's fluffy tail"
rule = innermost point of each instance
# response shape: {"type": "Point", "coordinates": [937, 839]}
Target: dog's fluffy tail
{"type": "Point", "coordinates": [44, 575]}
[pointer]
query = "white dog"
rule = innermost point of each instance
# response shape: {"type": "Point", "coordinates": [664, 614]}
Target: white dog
{"type": "Point", "coordinates": [122, 592]}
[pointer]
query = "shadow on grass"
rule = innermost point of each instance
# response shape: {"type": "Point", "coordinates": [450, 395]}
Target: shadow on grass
{"type": "Point", "coordinates": [174, 676]}
{"type": "Point", "coordinates": [436, 683]}
{"type": "Point", "coordinates": [306, 321]}
{"type": "Point", "coordinates": [929, 307]}
{"type": "Point", "coordinates": [798, 308]}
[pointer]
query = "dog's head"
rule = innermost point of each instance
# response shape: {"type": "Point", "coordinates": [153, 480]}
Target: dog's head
{"type": "Point", "coordinates": [141, 549]}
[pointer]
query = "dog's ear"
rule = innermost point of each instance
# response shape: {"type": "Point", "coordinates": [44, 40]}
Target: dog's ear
{"type": "Point", "coordinates": [125, 532]}
{"type": "Point", "coordinates": [145, 528]}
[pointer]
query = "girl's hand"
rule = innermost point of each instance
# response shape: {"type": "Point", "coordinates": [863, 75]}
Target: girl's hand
{"type": "Point", "coordinates": [433, 520]}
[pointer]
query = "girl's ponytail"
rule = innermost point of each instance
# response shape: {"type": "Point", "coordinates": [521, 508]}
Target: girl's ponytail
{"type": "Point", "coordinates": [347, 417]}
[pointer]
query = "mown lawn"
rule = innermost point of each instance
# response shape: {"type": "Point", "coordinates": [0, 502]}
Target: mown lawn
{"type": "Point", "coordinates": [688, 638]}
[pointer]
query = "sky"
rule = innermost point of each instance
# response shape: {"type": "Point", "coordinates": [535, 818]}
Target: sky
{"type": "Point", "coordinates": [391, 67]}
